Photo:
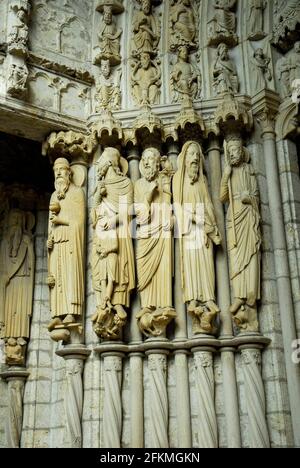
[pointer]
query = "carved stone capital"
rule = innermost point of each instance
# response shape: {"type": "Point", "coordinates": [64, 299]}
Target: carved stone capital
{"type": "Point", "coordinates": [265, 108]}
{"type": "Point", "coordinates": [74, 146]}
{"type": "Point", "coordinates": [107, 129]}
{"type": "Point", "coordinates": [232, 116]}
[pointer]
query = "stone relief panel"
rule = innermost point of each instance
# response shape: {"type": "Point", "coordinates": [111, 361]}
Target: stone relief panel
{"type": "Point", "coordinates": [62, 29]}
{"type": "Point", "coordinates": [42, 90]}
{"type": "Point", "coordinates": [223, 23]}
{"type": "Point", "coordinates": [75, 100]}
{"type": "Point", "coordinates": [184, 20]}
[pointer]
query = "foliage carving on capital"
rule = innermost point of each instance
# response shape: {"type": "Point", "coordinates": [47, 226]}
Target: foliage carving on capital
{"type": "Point", "coordinates": [73, 145]}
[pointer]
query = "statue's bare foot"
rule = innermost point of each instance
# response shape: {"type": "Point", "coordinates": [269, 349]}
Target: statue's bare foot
{"type": "Point", "coordinates": [236, 306]}
{"type": "Point", "coordinates": [54, 323]}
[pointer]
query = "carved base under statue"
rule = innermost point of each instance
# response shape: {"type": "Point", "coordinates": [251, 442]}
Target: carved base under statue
{"type": "Point", "coordinates": [108, 323]}
{"type": "Point", "coordinates": [203, 319]}
{"type": "Point", "coordinates": [15, 351]}
{"type": "Point", "coordinates": [216, 38]}
{"type": "Point", "coordinates": [246, 319]}
{"type": "Point", "coordinates": [18, 50]}
{"type": "Point", "coordinates": [154, 322]}
{"type": "Point", "coordinates": [60, 330]}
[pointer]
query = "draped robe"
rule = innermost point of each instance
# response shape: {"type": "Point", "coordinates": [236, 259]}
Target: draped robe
{"type": "Point", "coordinates": [245, 258]}
{"type": "Point", "coordinates": [154, 246]}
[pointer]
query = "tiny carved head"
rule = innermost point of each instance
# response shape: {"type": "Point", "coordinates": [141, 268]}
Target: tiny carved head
{"type": "Point", "coordinates": [107, 14]}
{"type": "Point", "coordinates": [22, 16]}
{"type": "Point", "coordinates": [146, 6]}
{"type": "Point", "coordinates": [151, 161]}
{"type": "Point", "coordinates": [183, 53]}
{"type": "Point", "coordinates": [105, 68]}
{"type": "Point", "coordinates": [145, 60]}
{"type": "Point", "coordinates": [62, 173]}
{"type": "Point", "coordinates": [259, 53]}
{"type": "Point", "coordinates": [235, 151]}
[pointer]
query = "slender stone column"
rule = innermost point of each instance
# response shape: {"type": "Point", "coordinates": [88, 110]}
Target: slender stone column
{"type": "Point", "coordinates": [74, 355]}
{"type": "Point", "coordinates": [266, 118]}
{"type": "Point", "coordinates": [112, 412]}
{"type": "Point", "coordinates": [136, 359]}
{"type": "Point", "coordinates": [184, 431]}
{"type": "Point", "coordinates": [159, 412]}
{"type": "Point", "coordinates": [16, 379]}
{"type": "Point", "coordinates": [255, 397]}
{"type": "Point", "coordinates": [223, 282]}
{"type": "Point", "coordinates": [205, 386]}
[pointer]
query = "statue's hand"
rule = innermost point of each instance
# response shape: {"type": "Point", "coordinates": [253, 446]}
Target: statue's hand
{"type": "Point", "coordinates": [246, 199]}
{"type": "Point", "coordinates": [50, 244]}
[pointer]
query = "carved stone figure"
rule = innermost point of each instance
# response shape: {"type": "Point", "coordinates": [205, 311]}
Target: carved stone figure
{"type": "Point", "coordinates": [152, 196]}
{"type": "Point", "coordinates": [146, 34]}
{"type": "Point", "coordinates": [239, 188]}
{"type": "Point", "coordinates": [185, 79]}
{"type": "Point", "coordinates": [18, 37]}
{"type": "Point", "coordinates": [294, 62]}
{"type": "Point", "coordinates": [256, 19]}
{"type": "Point", "coordinates": [145, 80]}
{"type": "Point", "coordinates": [198, 232]}
{"type": "Point", "coordinates": [183, 27]}
{"type": "Point", "coordinates": [283, 75]}
{"type": "Point", "coordinates": [109, 38]}
{"type": "Point", "coordinates": [108, 93]}
{"type": "Point", "coordinates": [225, 72]}
{"type": "Point", "coordinates": [16, 284]}
{"type": "Point", "coordinates": [260, 71]}
{"type": "Point", "coordinates": [17, 81]}
{"type": "Point", "coordinates": [112, 258]}
{"type": "Point", "coordinates": [66, 240]}
{"type": "Point", "coordinates": [223, 25]}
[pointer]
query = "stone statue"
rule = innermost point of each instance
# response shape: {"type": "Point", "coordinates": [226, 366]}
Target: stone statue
{"type": "Point", "coordinates": [17, 81]}
{"type": "Point", "coordinates": [260, 71]}
{"type": "Point", "coordinates": [146, 34]}
{"type": "Point", "coordinates": [239, 188]}
{"type": "Point", "coordinates": [145, 80]}
{"type": "Point", "coordinates": [16, 284]}
{"type": "Point", "coordinates": [283, 75]}
{"type": "Point", "coordinates": [66, 242]}
{"type": "Point", "coordinates": [223, 25]}
{"type": "Point", "coordinates": [294, 62]}
{"type": "Point", "coordinates": [108, 93]}
{"type": "Point", "coordinates": [18, 37]}
{"type": "Point", "coordinates": [185, 79]}
{"type": "Point", "coordinates": [225, 72]}
{"type": "Point", "coordinates": [152, 196]}
{"type": "Point", "coordinates": [109, 38]}
{"type": "Point", "coordinates": [198, 232]}
{"type": "Point", "coordinates": [183, 27]}
{"type": "Point", "coordinates": [256, 19]}
{"type": "Point", "coordinates": [112, 259]}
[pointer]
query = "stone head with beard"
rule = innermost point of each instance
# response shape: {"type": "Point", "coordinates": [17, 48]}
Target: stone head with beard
{"type": "Point", "coordinates": [15, 231]}
{"type": "Point", "coordinates": [151, 164]}
{"type": "Point", "coordinates": [62, 173]}
{"type": "Point", "coordinates": [193, 161]}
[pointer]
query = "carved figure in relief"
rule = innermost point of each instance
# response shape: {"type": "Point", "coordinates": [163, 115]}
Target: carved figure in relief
{"type": "Point", "coordinates": [145, 30]}
{"type": "Point", "coordinates": [256, 19]}
{"type": "Point", "coordinates": [145, 80]}
{"type": "Point", "coordinates": [260, 71]}
{"type": "Point", "coordinates": [225, 72]}
{"type": "Point", "coordinates": [18, 37]}
{"type": "Point", "coordinates": [239, 188]}
{"type": "Point", "coordinates": [16, 283]}
{"type": "Point", "coordinates": [112, 258]}
{"type": "Point", "coordinates": [17, 80]}
{"type": "Point", "coordinates": [185, 79]}
{"type": "Point", "coordinates": [198, 232]}
{"type": "Point", "coordinates": [152, 196]}
{"type": "Point", "coordinates": [283, 75]}
{"type": "Point", "coordinates": [109, 38]}
{"type": "Point", "coordinates": [223, 26]}
{"type": "Point", "coordinates": [183, 25]}
{"type": "Point", "coordinates": [294, 62]}
{"type": "Point", "coordinates": [66, 248]}
{"type": "Point", "coordinates": [108, 94]}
